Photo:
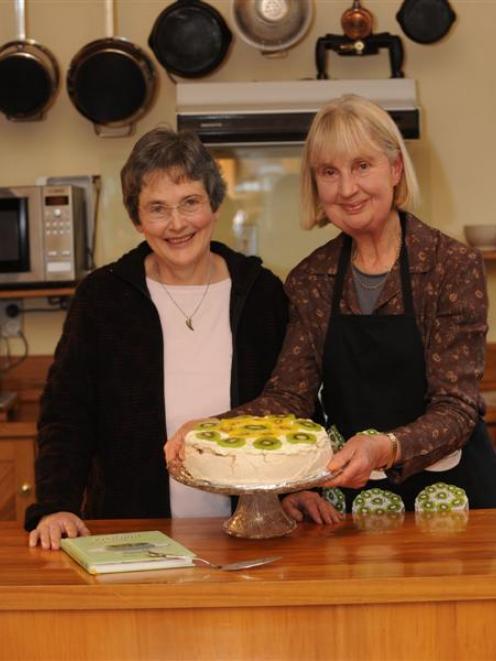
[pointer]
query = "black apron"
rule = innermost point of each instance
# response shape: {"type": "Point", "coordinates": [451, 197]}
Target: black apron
{"type": "Point", "coordinates": [374, 376]}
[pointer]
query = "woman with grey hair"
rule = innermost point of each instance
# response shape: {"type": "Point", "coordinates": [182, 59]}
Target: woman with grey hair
{"type": "Point", "coordinates": [180, 326]}
{"type": "Point", "coordinates": [388, 322]}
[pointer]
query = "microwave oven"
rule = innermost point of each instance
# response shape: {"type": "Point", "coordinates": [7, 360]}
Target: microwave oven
{"type": "Point", "coordinates": [42, 236]}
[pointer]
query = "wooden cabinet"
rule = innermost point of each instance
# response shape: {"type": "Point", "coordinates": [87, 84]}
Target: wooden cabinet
{"type": "Point", "coordinates": [17, 486]}
{"type": "Point", "coordinates": [17, 437]}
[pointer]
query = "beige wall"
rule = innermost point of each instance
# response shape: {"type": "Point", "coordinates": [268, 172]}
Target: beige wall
{"type": "Point", "coordinates": [456, 89]}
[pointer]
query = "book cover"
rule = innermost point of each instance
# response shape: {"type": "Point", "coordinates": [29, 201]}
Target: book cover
{"type": "Point", "coordinates": [131, 551]}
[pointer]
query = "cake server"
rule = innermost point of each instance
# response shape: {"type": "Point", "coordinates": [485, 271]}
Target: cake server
{"type": "Point", "coordinates": [230, 566]}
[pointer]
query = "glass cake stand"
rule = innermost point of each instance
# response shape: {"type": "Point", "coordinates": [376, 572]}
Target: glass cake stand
{"type": "Point", "coordinates": [259, 514]}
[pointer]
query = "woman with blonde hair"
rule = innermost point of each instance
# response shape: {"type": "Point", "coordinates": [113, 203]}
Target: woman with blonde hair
{"type": "Point", "coordinates": [388, 322]}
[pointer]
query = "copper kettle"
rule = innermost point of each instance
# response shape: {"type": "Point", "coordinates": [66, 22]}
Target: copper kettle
{"type": "Point", "coordinates": [357, 22]}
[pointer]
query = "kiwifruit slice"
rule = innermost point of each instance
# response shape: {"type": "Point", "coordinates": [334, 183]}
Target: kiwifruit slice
{"type": "Point", "coordinates": [301, 437]}
{"type": "Point", "coordinates": [267, 443]}
{"type": "Point", "coordinates": [209, 436]}
{"type": "Point", "coordinates": [255, 426]}
{"type": "Point", "coordinates": [232, 442]}
{"type": "Point", "coordinates": [308, 424]}
{"type": "Point", "coordinates": [207, 424]}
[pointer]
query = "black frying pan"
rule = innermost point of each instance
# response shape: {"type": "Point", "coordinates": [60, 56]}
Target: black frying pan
{"type": "Point", "coordinates": [425, 21]}
{"type": "Point", "coordinates": [190, 38]}
{"type": "Point", "coordinates": [29, 75]}
{"type": "Point", "coordinates": [111, 81]}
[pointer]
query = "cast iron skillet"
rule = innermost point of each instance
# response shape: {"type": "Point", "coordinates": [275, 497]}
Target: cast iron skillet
{"type": "Point", "coordinates": [29, 75]}
{"type": "Point", "coordinates": [111, 82]}
{"type": "Point", "coordinates": [425, 21]}
{"type": "Point", "coordinates": [190, 38]}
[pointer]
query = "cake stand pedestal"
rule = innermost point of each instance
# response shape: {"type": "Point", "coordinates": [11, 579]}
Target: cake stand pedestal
{"type": "Point", "coordinates": [259, 514]}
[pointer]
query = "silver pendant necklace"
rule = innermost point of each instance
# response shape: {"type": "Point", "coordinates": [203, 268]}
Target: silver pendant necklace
{"type": "Point", "coordinates": [188, 318]}
{"type": "Point", "coordinates": [376, 281]}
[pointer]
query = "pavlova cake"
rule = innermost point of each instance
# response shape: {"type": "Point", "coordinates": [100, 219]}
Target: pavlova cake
{"type": "Point", "coordinates": [249, 450]}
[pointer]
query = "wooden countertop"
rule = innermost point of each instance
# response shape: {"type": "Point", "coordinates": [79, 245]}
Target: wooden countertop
{"type": "Point", "coordinates": [337, 594]}
{"type": "Point", "coordinates": [319, 565]}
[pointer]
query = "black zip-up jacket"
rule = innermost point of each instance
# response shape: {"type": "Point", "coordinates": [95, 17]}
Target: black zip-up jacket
{"type": "Point", "coordinates": [102, 427]}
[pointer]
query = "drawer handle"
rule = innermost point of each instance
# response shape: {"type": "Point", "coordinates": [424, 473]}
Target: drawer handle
{"type": "Point", "coordinates": [25, 489]}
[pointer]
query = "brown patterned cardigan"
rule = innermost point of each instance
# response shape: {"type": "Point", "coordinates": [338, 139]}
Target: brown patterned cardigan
{"type": "Point", "coordinates": [450, 301]}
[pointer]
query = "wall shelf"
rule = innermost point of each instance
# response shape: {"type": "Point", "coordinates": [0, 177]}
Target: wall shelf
{"type": "Point", "coordinates": [49, 292]}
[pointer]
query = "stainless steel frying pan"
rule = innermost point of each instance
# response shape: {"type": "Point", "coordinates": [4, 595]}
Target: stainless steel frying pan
{"type": "Point", "coordinates": [111, 81]}
{"type": "Point", "coordinates": [29, 75]}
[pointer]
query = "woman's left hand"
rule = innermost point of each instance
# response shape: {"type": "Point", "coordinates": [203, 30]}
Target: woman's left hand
{"type": "Point", "coordinates": [360, 455]}
{"type": "Point", "coordinates": [311, 505]}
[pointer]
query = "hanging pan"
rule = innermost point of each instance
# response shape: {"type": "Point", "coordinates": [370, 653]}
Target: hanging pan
{"type": "Point", "coordinates": [111, 81]}
{"type": "Point", "coordinates": [272, 25]}
{"type": "Point", "coordinates": [190, 38]}
{"type": "Point", "coordinates": [425, 21]}
{"type": "Point", "coordinates": [29, 75]}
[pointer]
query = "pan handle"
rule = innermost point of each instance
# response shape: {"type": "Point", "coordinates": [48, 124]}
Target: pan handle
{"type": "Point", "coordinates": [109, 18]}
{"type": "Point", "coordinates": [20, 14]}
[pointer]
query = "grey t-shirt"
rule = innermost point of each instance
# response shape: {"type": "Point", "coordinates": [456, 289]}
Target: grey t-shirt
{"type": "Point", "coordinates": [368, 287]}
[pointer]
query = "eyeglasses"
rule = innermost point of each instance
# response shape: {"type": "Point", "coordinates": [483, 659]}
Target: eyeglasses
{"type": "Point", "coordinates": [157, 212]}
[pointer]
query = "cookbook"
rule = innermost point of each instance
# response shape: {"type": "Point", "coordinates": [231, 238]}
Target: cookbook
{"type": "Point", "coordinates": [125, 552]}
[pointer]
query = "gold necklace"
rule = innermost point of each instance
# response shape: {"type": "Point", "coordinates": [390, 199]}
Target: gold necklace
{"type": "Point", "coordinates": [354, 258]}
{"type": "Point", "coordinates": [188, 317]}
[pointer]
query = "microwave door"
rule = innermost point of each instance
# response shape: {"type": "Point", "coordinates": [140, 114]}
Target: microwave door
{"type": "Point", "coordinates": [21, 239]}
{"type": "Point", "coordinates": [14, 237]}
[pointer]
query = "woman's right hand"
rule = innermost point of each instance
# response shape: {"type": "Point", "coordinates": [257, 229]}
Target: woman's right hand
{"type": "Point", "coordinates": [53, 527]}
{"type": "Point", "coordinates": [174, 446]}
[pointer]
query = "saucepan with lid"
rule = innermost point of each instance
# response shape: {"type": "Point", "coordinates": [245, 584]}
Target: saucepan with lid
{"type": "Point", "coordinates": [29, 75]}
{"type": "Point", "coordinates": [111, 81]}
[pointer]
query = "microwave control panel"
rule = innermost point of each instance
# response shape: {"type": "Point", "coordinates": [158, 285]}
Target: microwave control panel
{"type": "Point", "coordinates": [63, 227]}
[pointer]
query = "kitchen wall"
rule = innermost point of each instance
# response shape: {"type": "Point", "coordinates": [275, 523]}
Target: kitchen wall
{"type": "Point", "coordinates": [456, 90]}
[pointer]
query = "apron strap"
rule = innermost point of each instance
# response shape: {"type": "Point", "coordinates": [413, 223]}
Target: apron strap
{"type": "Point", "coordinates": [406, 285]}
{"type": "Point", "coordinates": [344, 259]}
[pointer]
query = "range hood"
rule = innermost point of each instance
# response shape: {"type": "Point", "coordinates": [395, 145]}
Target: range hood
{"type": "Point", "coordinates": [280, 112]}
